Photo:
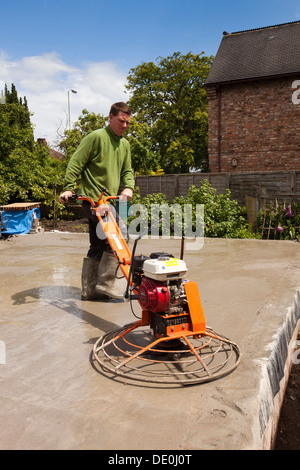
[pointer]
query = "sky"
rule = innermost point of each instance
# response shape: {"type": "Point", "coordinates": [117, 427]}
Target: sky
{"type": "Point", "coordinates": [49, 47]}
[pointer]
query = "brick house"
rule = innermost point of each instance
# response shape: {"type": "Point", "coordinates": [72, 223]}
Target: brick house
{"type": "Point", "coordinates": [253, 91]}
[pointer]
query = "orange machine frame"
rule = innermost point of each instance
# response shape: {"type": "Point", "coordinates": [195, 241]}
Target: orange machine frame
{"type": "Point", "coordinates": [122, 253]}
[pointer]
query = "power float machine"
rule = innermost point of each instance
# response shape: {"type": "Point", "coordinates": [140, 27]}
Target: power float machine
{"type": "Point", "coordinates": [170, 343]}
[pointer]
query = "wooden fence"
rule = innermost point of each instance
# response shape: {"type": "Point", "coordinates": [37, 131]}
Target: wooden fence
{"type": "Point", "coordinates": [263, 186]}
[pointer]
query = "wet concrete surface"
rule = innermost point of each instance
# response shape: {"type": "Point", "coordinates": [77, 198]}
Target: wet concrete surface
{"type": "Point", "coordinates": [53, 398]}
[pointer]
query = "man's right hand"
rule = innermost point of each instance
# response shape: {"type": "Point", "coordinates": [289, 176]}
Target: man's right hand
{"type": "Point", "coordinates": [63, 198]}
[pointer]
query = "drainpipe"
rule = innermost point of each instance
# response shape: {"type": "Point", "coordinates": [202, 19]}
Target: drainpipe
{"type": "Point", "coordinates": [219, 127]}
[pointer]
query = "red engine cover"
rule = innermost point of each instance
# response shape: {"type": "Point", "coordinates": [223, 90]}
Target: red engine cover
{"type": "Point", "coordinates": [153, 295]}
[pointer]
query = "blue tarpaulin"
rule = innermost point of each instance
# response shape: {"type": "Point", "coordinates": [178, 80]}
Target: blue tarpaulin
{"type": "Point", "coordinates": [18, 222]}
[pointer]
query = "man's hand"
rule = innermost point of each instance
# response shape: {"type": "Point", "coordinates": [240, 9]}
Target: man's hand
{"type": "Point", "coordinates": [126, 194]}
{"type": "Point", "coordinates": [63, 198]}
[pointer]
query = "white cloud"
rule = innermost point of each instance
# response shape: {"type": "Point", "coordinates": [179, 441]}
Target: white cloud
{"type": "Point", "coordinates": [45, 81]}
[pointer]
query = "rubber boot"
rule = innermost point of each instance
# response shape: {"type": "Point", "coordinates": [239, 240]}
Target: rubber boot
{"type": "Point", "coordinates": [107, 283]}
{"type": "Point", "coordinates": [89, 278]}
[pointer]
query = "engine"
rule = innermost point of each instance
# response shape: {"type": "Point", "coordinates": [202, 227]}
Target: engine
{"type": "Point", "coordinates": [154, 295]}
{"type": "Point", "coordinates": [161, 290]}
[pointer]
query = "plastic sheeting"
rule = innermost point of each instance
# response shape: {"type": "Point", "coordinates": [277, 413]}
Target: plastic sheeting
{"type": "Point", "coordinates": [18, 222]}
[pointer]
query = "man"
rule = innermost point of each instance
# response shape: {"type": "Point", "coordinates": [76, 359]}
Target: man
{"type": "Point", "coordinates": [102, 159]}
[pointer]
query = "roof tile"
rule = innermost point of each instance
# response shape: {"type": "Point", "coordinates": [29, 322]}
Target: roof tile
{"type": "Point", "coordinates": [257, 53]}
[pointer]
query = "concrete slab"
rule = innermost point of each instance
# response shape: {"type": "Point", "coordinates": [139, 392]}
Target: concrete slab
{"type": "Point", "coordinates": [51, 396]}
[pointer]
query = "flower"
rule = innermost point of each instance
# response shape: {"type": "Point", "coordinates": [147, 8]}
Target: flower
{"type": "Point", "coordinates": [290, 211]}
{"type": "Point", "coordinates": [279, 229]}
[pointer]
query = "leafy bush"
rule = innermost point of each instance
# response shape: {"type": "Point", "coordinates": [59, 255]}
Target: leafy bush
{"type": "Point", "coordinates": [27, 171]}
{"type": "Point", "coordinates": [29, 176]}
{"type": "Point", "coordinates": [141, 210]}
{"type": "Point", "coordinates": [223, 217]}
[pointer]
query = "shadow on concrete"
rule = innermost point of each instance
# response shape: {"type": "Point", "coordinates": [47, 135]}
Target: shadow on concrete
{"type": "Point", "coordinates": [66, 298]}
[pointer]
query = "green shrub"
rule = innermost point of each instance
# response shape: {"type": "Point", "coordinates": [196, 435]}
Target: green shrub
{"type": "Point", "coordinates": [223, 217]}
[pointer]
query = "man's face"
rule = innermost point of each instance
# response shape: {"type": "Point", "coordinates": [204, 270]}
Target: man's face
{"type": "Point", "coordinates": [119, 123]}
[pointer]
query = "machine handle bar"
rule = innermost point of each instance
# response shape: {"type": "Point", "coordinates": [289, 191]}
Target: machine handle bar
{"type": "Point", "coordinates": [101, 200]}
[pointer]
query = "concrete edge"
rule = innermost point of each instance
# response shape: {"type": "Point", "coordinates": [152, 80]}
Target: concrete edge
{"type": "Point", "coordinates": [276, 372]}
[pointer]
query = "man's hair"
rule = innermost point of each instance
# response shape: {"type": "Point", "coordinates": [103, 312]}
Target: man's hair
{"type": "Point", "coordinates": [117, 107]}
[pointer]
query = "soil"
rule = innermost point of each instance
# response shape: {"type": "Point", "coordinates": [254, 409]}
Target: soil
{"type": "Point", "coordinates": [288, 434]}
{"type": "Point", "coordinates": [74, 226]}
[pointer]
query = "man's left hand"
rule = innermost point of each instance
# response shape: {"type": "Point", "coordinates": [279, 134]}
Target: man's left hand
{"type": "Point", "coordinates": [126, 194]}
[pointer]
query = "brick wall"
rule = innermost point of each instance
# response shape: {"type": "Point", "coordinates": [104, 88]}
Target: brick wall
{"type": "Point", "coordinates": [259, 126]}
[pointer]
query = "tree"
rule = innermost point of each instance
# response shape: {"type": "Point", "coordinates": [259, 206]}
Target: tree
{"type": "Point", "coordinates": [143, 159]}
{"type": "Point", "coordinates": [28, 176]}
{"type": "Point", "coordinates": [86, 123]}
{"type": "Point", "coordinates": [27, 171]}
{"type": "Point", "coordinates": [170, 99]}
{"type": "Point", "coordinates": [15, 126]}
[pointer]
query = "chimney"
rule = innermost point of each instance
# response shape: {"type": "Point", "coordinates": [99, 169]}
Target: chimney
{"type": "Point", "coordinates": [42, 142]}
